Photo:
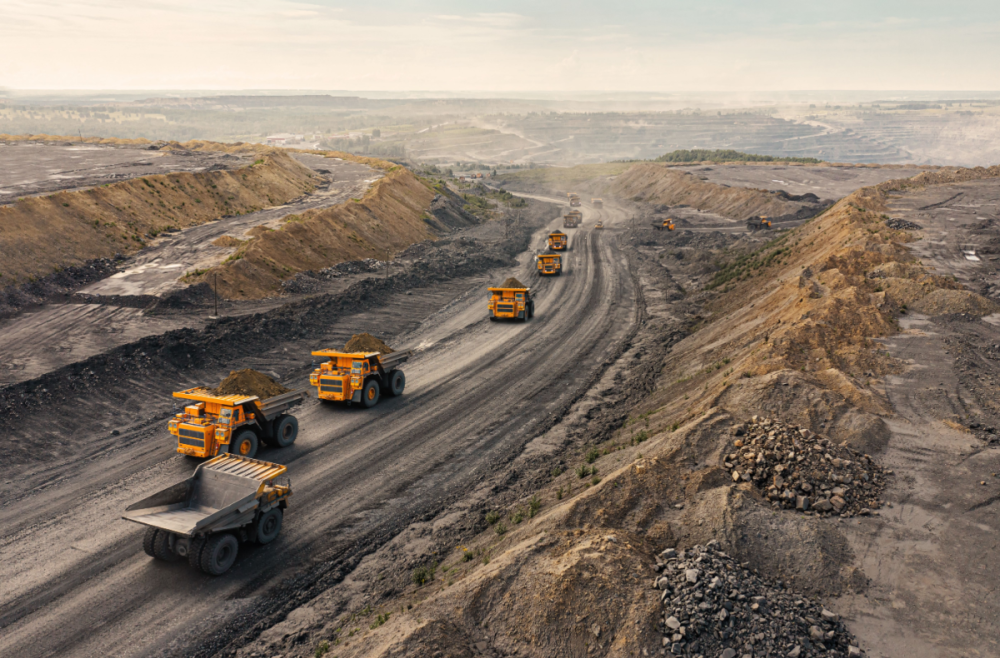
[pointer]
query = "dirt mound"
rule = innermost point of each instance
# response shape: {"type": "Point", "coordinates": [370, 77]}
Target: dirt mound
{"type": "Point", "coordinates": [903, 225]}
{"type": "Point", "coordinates": [942, 302]}
{"type": "Point", "coordinates": [249, 382]}
{"type": "Point", "coordinates": [512, 283]}
{"type": "Point", "coordinates": [366, 343]}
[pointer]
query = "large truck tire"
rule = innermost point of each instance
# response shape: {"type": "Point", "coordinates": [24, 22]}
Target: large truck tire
{"type": "Point", "coordinates": [397, 382]}
{"type": "Point", "coordinates": [195, 549]}
{"type": "Point", "coordinates": [531, 309]}
{"type": "Point", "coordinates": [149, 541]}
{"type": "Point", "coordinates": [161, 547]}
{"type": "Point", "coordinates": [268, 526]}
{"type": "Point", "coordinates": [219, 553]}
{"type": "Point", "coordinates": [370, 393]}
{"type": "Point", "coordinates": [245, 444]}
{"type": "Point", "coordinates": [286, 429]}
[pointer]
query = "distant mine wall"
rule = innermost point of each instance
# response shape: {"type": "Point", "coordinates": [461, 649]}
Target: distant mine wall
{"type": "Point", "coordinates": [656, 183]}
{"type": "Point", "coordinates": [42, 235]}
{"type": "Point", "coordinates": [392, 215]}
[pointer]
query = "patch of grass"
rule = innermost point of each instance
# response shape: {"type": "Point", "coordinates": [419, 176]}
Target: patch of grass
{"type": "Point", "coordinates": [582, 471]}
{"type": "Point", "coordinates": [595, 480]}
{"type": "Point", "coordinates": [592, 455]}
{"type": "Point", "coordinates": [641, 436]}
{"type": "Point", "coordinates": [322, 649]}
{"type": "Point", "coordinates": [423, 575]}
{"type": "Point", "coordinates": [381, 619]}
{"type": "Point", "coordinates": [467, 555]}
{"type": "Point", "coordinates": [517, 516]}
{"type": "Point", "coordinates": [492, 517]}
{"type": "Point", "coordinates": [726, 155]}
{"type": "Point", "coordinates": [556, 472]}
{"type": "Point", "coordinates": [500, 529]}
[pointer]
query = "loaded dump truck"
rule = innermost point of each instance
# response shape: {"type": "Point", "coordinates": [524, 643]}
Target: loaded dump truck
{"type": "Point", "coordinates": [572, 219]}
{"type": "Point", "coordinates": [549, 264]}
{"type": "Point", "coordinates": [574, 199]}
{"type": "Point", "coordinates": [230, 499]}
{"type": "Point", "coordinates": [512, 301]}
{"type": "Point", "coordinates": [665, 224]}
{"type": "Point", "coordinates": [216, 423]}
{"type": "Point", "coordinates": [362, 377]}
{"type": "Point", "coordinates": [597, 203]}
{"type": "Point", "coordinates": [599, 225]}
{"type": "Point", "coordinates": [558, 241]}
{"type": "Point", "coordinates": [758, 223]}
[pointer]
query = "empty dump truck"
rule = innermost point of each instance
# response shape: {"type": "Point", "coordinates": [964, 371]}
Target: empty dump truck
{"type": "Point", "coordinates": [558, 241]}
{"type": "Point", "coordinates": [511, 304]}
{"type": "Point", "coordinates": [549, 264]}
{"type": "Point", "coordinates": [572, 219]}
{"type": "Point", "coordinates": [215, 424]}
{"type": "Point", "coordinates": [362, 377]}
{"type": "Point", "coordinates": [597, 203]}
{"type": "Point", "coordinates": [228, 500]}
{"type": "Point", "coordinates": [667, 224]}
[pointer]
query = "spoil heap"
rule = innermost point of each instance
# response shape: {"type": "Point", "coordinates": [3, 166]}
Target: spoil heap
{"type": "Point", "coordinates": [512, 283]}
{"type": "Point", "coordinates": [902, 225]}
{"type": "Point", "coordinates": [366, 343]}
{"type": "Point", "coordinates": [715, 607]}
{"type": "Point", "coordinates": [249, 382]}
{"type": "Point", "coordinates": [805, 471]}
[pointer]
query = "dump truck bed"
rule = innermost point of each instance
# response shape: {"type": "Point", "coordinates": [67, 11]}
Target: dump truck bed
{"type": "Point", "coordinates": [391, 359]}
{"type": "Point", "coordinates": [279, 404]}
{"type": "Point", "coordinates": [222, 494]}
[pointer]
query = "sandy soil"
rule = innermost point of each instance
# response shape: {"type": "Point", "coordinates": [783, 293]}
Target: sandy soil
{"type": "Point", "coordinates": [827, 182]}
{"type": "Point", "coordinates": [28, 169]}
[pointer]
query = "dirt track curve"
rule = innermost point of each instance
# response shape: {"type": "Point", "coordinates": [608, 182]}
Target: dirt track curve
{"type": "Point", "coordinates": [76, 581]}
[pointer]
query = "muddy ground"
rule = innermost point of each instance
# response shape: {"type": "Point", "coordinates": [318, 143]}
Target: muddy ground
{"type": "Point", "coordinates": [28, 169]}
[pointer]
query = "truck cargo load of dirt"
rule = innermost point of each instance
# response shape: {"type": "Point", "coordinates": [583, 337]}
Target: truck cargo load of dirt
{"type": "Point", "coordinates": [366, 343]}
{"type": "Point", "coordinates": [249, 382]}
{"type": "Point", "coordinates": [512, 283]}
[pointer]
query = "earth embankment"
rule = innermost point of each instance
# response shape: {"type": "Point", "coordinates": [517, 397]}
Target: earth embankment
{"type": "Point", "coordinates": [44, 234]}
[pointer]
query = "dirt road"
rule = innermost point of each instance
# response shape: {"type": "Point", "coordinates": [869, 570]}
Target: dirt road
{"type": "Point", "coordinates": [77, 581]}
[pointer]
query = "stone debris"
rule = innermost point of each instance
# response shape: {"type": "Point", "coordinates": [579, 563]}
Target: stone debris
{"type": "Point", "coordinates": [903, 225]}
{"type": "Point", "coordinates": [729, 611]}
{"type": "Point", "coordinates": [797, 469]}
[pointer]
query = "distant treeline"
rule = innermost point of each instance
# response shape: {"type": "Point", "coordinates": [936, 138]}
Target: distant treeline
{"type": "Point", "coordinates": [726, 155]}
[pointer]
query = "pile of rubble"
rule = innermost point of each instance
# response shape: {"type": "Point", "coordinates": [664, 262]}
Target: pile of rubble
{"type": "Point", "coordinates": [713, 606]}
{"type": "Point", "coordinates": [797, 469]}
{"type": "Point", "coordinates": [902, 225]}
{"type": "Point", "coordinates": [353, 267]}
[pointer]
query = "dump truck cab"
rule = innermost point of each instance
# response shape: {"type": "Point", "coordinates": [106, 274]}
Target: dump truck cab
{"type": "Point", "coordinates": [511, 304]}
{"type": "Point", "coordinates": [213, 424]}
{"type": "Point", "coordinates": [549, 264]}
{"type": "Point", "coordinates": [358, 377]}
{"type": "Point", "coordinates": [558, 241]}
{"type": "Point", "coordinates": [597, 203]}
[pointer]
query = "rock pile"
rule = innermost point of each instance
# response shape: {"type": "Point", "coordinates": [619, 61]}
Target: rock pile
{"type": "Point", "coordinates": [353, 267]}
{"type": "Point", "coordinates": [713, 606]}
{"type": "Point", "coordinates": [797, 469]}
{"type": "Point", "coordinates": [902, 225]}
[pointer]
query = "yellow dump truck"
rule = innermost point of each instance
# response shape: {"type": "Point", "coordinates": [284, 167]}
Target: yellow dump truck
{"type": "Point", "coordinates": [558, 241]}
{"type": "Point", "coordinates": [549, 264]}
{"type": "Point", "coordinates": [758, 223]}
{"type": "Point", "coordinates": [214, 424]}
{"type": "Point", "coordinates": [667, 224]}
{"type": "Point", "coordinates": [572, 219]}
{"type": "Point", "coordinates": [228, 500]}
{"type": "Point", "coordinates": [359, 377]}
{"type": "Point", "coordinates": [599, 225]}
{"type": "Point", "coordinates": [511, 304]}
{"type": "Point", "coordinates": [574, 200]}
{"type": "Point", "coordinates": [597, 203]}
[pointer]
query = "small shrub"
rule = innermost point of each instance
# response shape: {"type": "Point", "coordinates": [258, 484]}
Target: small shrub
{"type": "Point", "coordinates": [322, 648]}
{"type": "Point", "coordinates": [592, 455]}
{"type": "Point", "coordinates": [467, 555]}
{"type": "Point", "coordinates": [486, 559]}
{"type": "Point", "coordinates": [595, 480]}
{"type": "Point", "coordinates": [641, 436]}
{"type": "Point", "coordinates": [501, 529]}
{"type": "Point", "coordinates": [517, 516]}
{"type": "Point", "coordinates": [534, 505]}
{"type": "Point", "coordinates": [559, 492]}
{"type": "Point", "coordinates": [492, 517]}
{"type": "Point", "coordinates": [423, 575]}
{"type": "Point", "coordinates": [556, 472]}
{"type": "Point", "coordinates": [582, 471]}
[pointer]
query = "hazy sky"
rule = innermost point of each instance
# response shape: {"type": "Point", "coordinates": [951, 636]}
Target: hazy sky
{"type": "Point", "coordinates": [557, 45]}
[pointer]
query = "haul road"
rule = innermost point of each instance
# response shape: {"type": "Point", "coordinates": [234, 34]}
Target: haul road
{"type": "Point", "coordinates": [77, 581]}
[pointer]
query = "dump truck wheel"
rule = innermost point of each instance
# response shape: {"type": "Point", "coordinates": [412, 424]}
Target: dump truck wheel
{"type": "Point", "coordinates": [149, 541]}
{"type": "Point", "coordinates": [194, 552]}
{"type": "Point", "coordinates": [161, 547]}
{"type": "Point", "coordinates": [397, 382]}
{"type": "Point", "coordinates": [268, 526]}
{"type": "Point", "coordinates": [370, 394]}
{"type": "Point", "coordinates": [531, 309]}
{"type": "Point", "coordinates": [245, 444]}
{"type": "Point", "coordinates": [219, 553]}
{"type": "Point", "coordinates": [286, 429]}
